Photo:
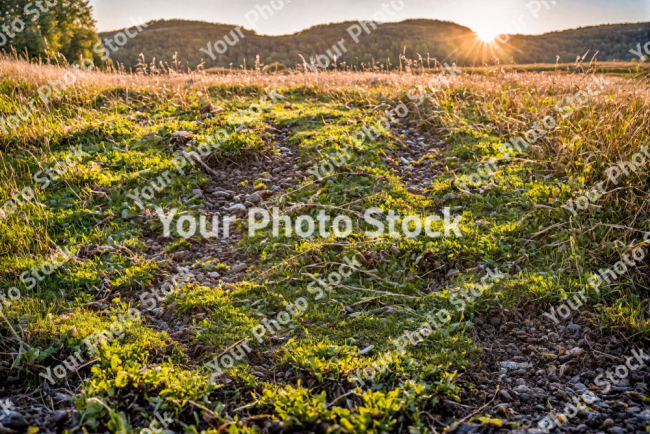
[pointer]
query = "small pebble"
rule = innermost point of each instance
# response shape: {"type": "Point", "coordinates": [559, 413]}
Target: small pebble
{"type": "Point", "coordinates": [14, 420]}
{"type": "Point", "coordinates": [238, 268]}
{"type": "Point", "coordinates": [505, 396]}
{"type": "Point", "coordinates": [574, 327]}
{"type": "Point", "coordinates": [608, 423]}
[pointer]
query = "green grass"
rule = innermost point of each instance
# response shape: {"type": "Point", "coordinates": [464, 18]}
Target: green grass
{"type": "Point", "coordinates": [513, 223]}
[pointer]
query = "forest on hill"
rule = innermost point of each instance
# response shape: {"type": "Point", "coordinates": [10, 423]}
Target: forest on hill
{"type": "Point", "coordinates": [420, 39]}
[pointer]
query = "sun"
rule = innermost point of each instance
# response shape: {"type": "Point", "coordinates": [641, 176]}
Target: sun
{"type": "Point", "coordinates": [486, 35]}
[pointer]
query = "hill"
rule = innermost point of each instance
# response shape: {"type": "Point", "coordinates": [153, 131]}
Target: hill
{"type": "Point", "coordinates": [413, 39]}
{"type": "Point", "coordinates": [612, 42]}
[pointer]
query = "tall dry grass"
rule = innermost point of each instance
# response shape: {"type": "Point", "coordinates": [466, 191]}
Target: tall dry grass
{"type": "Point", "coordinates": [512, 101]}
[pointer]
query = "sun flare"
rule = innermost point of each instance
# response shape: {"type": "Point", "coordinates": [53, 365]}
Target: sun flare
{"type": "Point", "coordinates": [486, 35]}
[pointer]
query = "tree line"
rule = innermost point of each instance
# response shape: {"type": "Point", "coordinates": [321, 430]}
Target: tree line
{"type": "Point", "coordinates": [410, 43]}
{"type": "Point", "coordinates": [65, 29]}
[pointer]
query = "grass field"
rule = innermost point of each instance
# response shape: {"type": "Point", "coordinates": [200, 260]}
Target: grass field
{"type": "Point", "coordinates": [157, 364]}
{"type": "Point", "coordinates": [623, 69]}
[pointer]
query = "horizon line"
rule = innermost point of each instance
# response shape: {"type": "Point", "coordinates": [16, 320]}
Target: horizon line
{"type": "Point", "coordinates": [353, 21]}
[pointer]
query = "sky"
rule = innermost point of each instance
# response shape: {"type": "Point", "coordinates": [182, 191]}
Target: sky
{"type": "Point", "coordinates": [488, 17]}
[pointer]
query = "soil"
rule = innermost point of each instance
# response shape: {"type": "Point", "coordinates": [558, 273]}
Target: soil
{"type": "Point", "coordinates": [529, 367]}
{"type": "Point", "coordinates": [562, 361]}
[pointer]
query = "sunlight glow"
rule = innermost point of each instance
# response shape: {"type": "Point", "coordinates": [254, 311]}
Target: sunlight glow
{"type": "Point", "coordinates": [487, 35]}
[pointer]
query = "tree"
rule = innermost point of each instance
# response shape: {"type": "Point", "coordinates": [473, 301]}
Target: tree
{"type": "Point", "coordinates": [49, 28]}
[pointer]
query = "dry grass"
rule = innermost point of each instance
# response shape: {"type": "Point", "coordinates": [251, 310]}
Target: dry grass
{"type": "Point", "coordinates": [38, 74]}
{"type": "Point", "coordinates": [512, 100]}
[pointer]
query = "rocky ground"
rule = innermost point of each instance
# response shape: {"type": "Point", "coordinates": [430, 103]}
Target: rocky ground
{"type": "Point", "coordinates": [529, 365]}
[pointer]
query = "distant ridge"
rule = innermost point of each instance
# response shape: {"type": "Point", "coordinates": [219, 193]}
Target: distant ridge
{"type": "Point", "coordinates": [423, 39]}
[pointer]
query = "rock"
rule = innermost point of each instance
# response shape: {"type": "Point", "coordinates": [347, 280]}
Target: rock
{"type": "Point", "coordinates": [61, 397]}
{"type": "Point", "coordinates": [467, 428]}
{"type": "Point", "coordinates": [513, 365]}
{"type": "Point", "coordinates": [254, 198]}
{"type": "Point", "coordinates": [60, 416]}
{"type": "Point", "coordinates": [575, 352]}
{"type": "Point", "coordinates": [524, 397]}
{"type": "Point", "coordinates": [238, 207]}
{"type": "Point", "coordinates": [575, 379]}
{"type": "Point", "coordinates": [14, 420]}
{"type": "Point", "coordinates": [520, 382]}
{"type": "Point", "coordinates": [214, 275]}
{"type": "Point", "coordinates": [608, 423]}
{"type": "Point", "coordinates": [521, 389]}
{"type": "Point", "coordinates": [495, 321]}
{"type": "Point", "coordinates": [505, 396]}
{"type": "Point", "coordinates": [574, 327]}
{"type": "Point", "coordinates": [529, 431]}
{"type": "Point", "coordinates": [171, 310]}
{"type": "Point", "coordinates": [183, 255]}
{"type": "Point", "coordinates": [644, 415]}
{"type": "Point", "coordinates": [582, 412]}
{"type": "Point", "coordinates": [579, 387]}
{"type": "Point", "coordinates": [248, 204]}
{"type": "Point", "coordinates": [198, 192]}
{"type": "Point", "coordinates": [582, 427]}
{"type": "Point", "coordinates": [182, 137]}
{"type": "Point", "coordinates": [158, 312]}
{"type": "Point", "coordinates": [478, 321]}
{"type": "Point", "coordinates": [616, 430]}
{"type": "Point", "coordinates": [206, 108]}
{"type": "Point", "coordinates": [222, 194]}
{"type": "Point", "coordinates": [238, 268]}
